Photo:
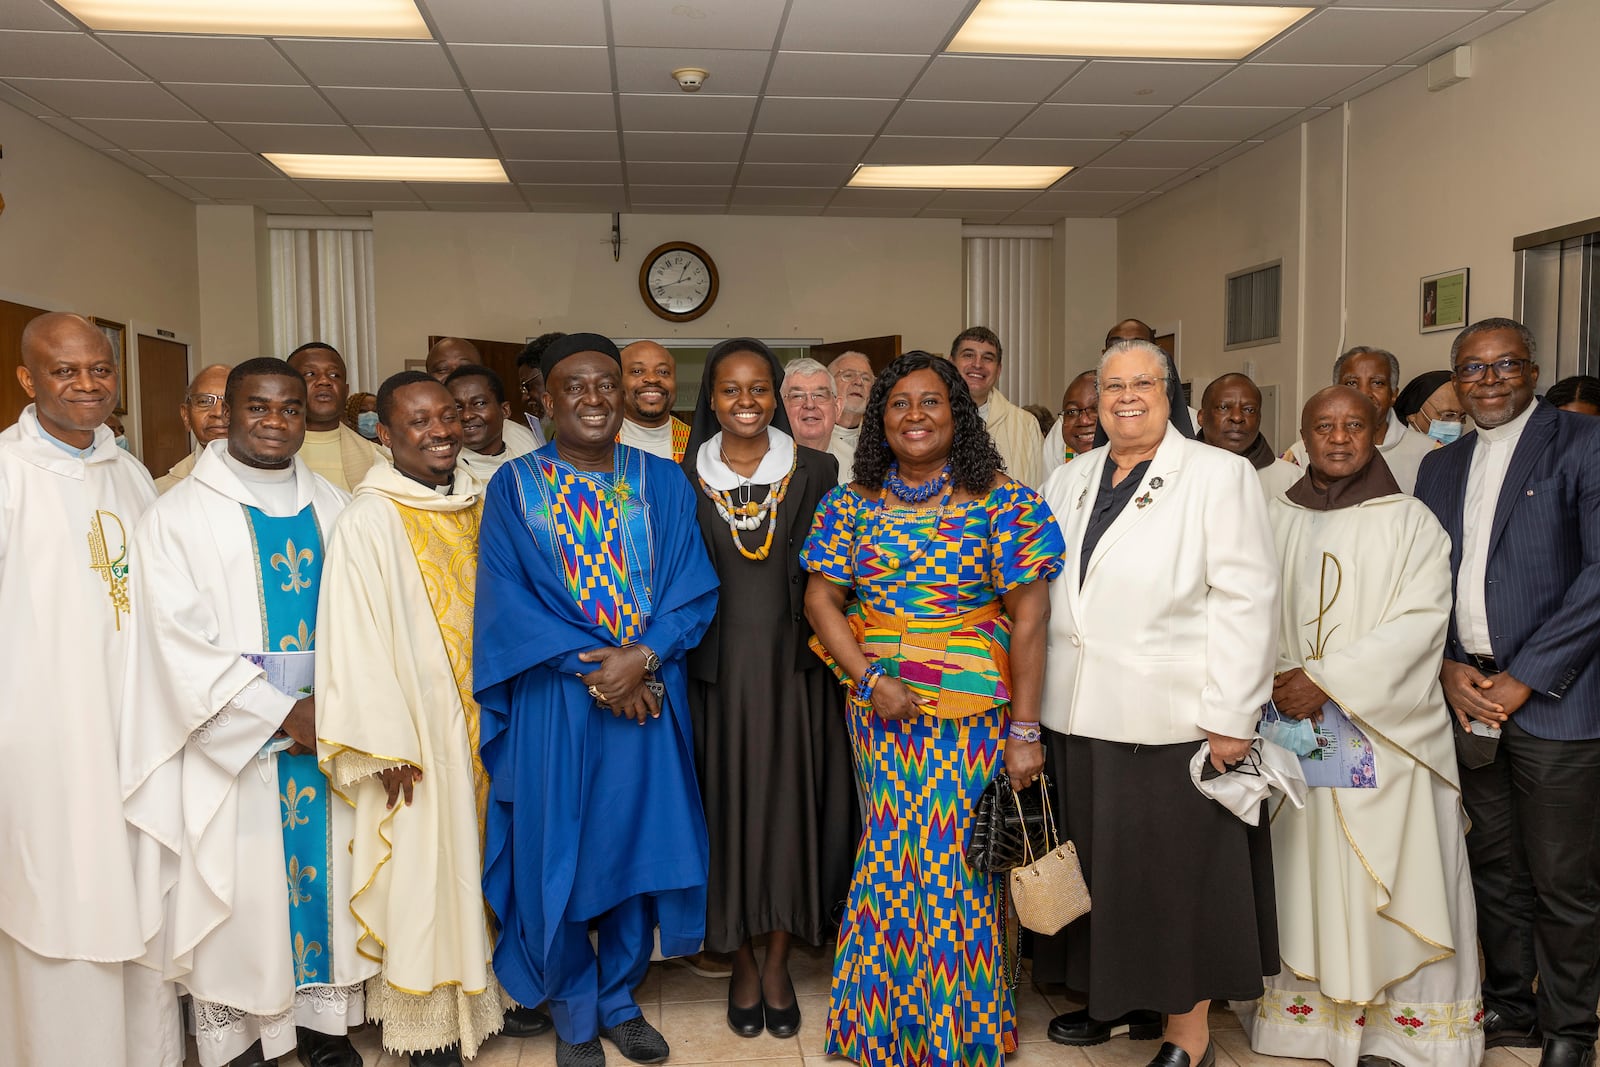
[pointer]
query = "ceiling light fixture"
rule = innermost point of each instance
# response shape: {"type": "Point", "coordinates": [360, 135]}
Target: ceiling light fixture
{"type": "Point", "coordinates": [388, 168]}
{"type": "Point", "coordinates": [1132, 30]}
{"type": "Point", "coordinates": [275, 18]}
{"type": "Point", "coordinates": [973, 176]}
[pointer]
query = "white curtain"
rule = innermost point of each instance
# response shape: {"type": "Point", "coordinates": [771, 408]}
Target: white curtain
{"type": "Point", "coordinates": [322, 291]}
{"type": "Point", "coordinates": [1008, 290]}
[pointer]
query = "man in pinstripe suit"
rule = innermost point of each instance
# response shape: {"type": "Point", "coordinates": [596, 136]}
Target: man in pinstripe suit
{"type": "Point", "coordinates": [1520, 498]}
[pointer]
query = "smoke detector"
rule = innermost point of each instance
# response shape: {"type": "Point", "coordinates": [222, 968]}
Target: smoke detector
{"type": "Point", "coordinates": [689, 79]}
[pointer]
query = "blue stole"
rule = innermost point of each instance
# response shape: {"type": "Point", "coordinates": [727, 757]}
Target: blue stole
{"type": "Point", "coordinates": [288, 554]}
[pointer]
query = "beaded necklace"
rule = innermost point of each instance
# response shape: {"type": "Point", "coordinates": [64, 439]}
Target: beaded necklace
{"type": "Point", "coordinates": [914, 494]}
{"type": "Point", "coordinates": [747, 514]}
{"type": "Point", "coordinates": [890, 560]}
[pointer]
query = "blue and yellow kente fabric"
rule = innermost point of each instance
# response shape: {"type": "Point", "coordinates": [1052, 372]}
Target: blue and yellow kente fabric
{"type": "Point", "coordinates": [289, 554]}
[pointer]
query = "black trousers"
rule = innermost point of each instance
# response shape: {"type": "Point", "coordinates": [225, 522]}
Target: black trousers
{"type": "Point", "coordinates": [1534, 847]}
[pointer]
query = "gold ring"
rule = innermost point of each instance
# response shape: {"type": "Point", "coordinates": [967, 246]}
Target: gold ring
{"type": "Point", "coordinates": [594, 691]}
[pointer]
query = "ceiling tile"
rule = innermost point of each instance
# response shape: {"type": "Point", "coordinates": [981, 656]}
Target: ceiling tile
{"type": "Point", "coordinates": [389, 64]}
{"type": "Point", "coordinates": [1023, 151]}
{"type": "Point", "coordinates": [609, 197]}
{"type": "Point", "coordinates": [105, 100]}
{"type": "Point", "coordinates": [1118, 179]}
{"type": "Point", "coordinates": [872, 26]}
{"type": "Point", "coordinates": [978, 218]}
{"type": "Point", "coordinates": [686, 112]}
{"type": "Point", "coordinates": [81, 133]}
{"type": "Point", "coordinates": [927, 149]}
{"type": "Point", "coordinates": [533, 69]}
{"type": "Point", "coordinates": [368, 192]}
{"type": "Point", "coordinates": [640, 208]}
{"type": "Point", "coordinates": [134, 134]}
{"type": "Point", "coordinates": [805, 148]}
{"type": "Point", "coordinates": [273, 137]}
{"type": "Point", "coordinates": [794, 114]}
{"type": "Point", "coordinates": [749, 24]}
{"type": "Point", "coordinates": [404, 107]}
{"type": "Point", "coordinates": [209, 164]}
{"type": "Point", "coordinates": [536, 22]}
{"type": "Point", "coordinates": [173, 185]}
{"type": "Point", "coordinates": [738, 72]}
{"type": "Point", "coordinates": [1460, 5]}
{"type": "Point", "coordinates": [737, 208]}
{"type": "Point", "coordinates": [32, 15]}
{"type": "Point", "coordinates": [246, 188]}
{"type": "Point", "coordinates": [371, 207]}
{"type": "Point", "coordinates": [1233, 153]}
{"type": "Point", "coordinates": [467, 192]}
{"type": "Point", "coordinates": [256, 103]}
{"type": "Point", "coordinates": [899, 199]}
{"type": "Point", "coordinates": [222, 60]}
{"type": "Point", "coordinates": [681, 173]}
{"type": "Point", "coordinates": [993, 78]}
{"type": "Point", "coordinates": [678, 194]}
{"type": "Point", "coordinates": [822, 73]}
{"type": "Point", "coordinates": [1080, 204]}
{"type": "Point", "coordinates": [683, 147]}
{"type": "Point", "coordinates": [1366, 85]}
{"type": "Point", "coordinates": [35, 54]}
{"type": "Point", "coordinates": [307, 206]}
{"type": "Point", "coordinates": [1215, 123]}
{"type": "Point", "coordinates": [1078, 121]}
{"type": "Point", "coordinates": [944, 118]}
{"type": "Point", "coordinates": [1112, 81]}
{"type": "Point", "coordinates": [776, 196]}
{"type": "Point", "coordinates": [1471, 31]}
{"type": "Point", "coordinates": [22, 101]}
{"type": "Point", "coordinates": [814, 175]}
{"type": "Point", "coordinates": [565, 172]}
{"type": "Point", "coordinates": [1263, 84]}
{"type": "Point", "coordinates": [559, 144]}
{"type": "Point", "coordinates": [1364, 36]}
{"type": "Point", "coordinates": [850, 212]}
{"type": "Point", "coordinates": [420, 141]}
{"type": "Point", "coordinates": [981, 200]}
{"type": "Point", "coordinates": [1163, 153]}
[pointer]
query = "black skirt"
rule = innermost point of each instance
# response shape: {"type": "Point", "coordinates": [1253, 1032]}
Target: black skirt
{"type": "Point", "coordinates": [1183, 901]}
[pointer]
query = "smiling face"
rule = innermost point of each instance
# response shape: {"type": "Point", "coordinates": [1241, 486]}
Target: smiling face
{"type": "Point", "coordinates": [327, 386]}
{"type": "Point", "coordinates": [1133, 399]}
{"type": "Point", "coordinates": [483, 418]}
{"type": "Point", "coordinates": [1230, 413]}
{"type": "Point", "coordinates": [852, 380]}
{"type": "Point", "coordinates": [742, 395]}
{"type": "Point", "coordinates": [584, 397]}
{"type": "Point", "coordinates": [917, 421]}
{"type": "Point", "coordinates": [979, 363]}
{"type": "Point", "coordinates": [812, 407]}
{"type": "Point", "coordinates": [423, 432]}
{"type": "Point", "coordinates": [1080, 414]}
{"type": "Point", "coordinates": [1339, 428]}
{"type": "Point", "coordinates": [68, 370]}
{"type": "Point", "coordinates": [1493, 400]}
{"type": "Point", "coordinates": [203, 411]}
{"type": "Point", "coordinates": [1368, 374]}
{"type": "Point", "coordinates": [267, 420]}
{"type": "Point", "coordinates": [649, 383]}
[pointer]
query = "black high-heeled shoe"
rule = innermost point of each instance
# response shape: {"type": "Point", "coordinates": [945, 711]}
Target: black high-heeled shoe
{"type": "Point", "coordinates": [782, 1022]}
{"type": "Point", "coordinates": [746, 1022]}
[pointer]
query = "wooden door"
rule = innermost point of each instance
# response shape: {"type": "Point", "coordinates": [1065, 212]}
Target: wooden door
{"type": "Point", "coordinates": [163, 382]}
{"type": "Point", "coordinates": [500, 357]}
{"type": "Point", "coordinates": [13, 317]}
{"type": "Point", "coordinates": [880, 351]}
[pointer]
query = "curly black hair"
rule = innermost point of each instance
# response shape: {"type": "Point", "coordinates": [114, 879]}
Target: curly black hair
{"type": "Point", "coordinates": [974, 460]}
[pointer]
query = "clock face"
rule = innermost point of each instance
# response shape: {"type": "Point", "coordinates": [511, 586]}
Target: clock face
{"type": "Point", "coordinates": [679, 281]}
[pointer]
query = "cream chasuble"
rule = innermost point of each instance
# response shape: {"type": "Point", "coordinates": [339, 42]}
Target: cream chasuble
{"type": "Point", "coordinates": [518, 441]}
{"type": "Point", "coordinates": [1016, 434]}
{"type": "Point", "coordinates": [69, 914]}
{"type": "Point", "coordinates": [1403, 449]}
{"type": "Point", "coordinates": [1375, 915]}
{"type": "Point", "coordinates": [394, 661]}
{"type": "Point", "coordinates": [203, 781]}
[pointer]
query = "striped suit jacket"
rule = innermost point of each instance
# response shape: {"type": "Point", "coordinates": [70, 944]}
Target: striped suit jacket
{"type": "Point", "coordinates": [1543, 579]}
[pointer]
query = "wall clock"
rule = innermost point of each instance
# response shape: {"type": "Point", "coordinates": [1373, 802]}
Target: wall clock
{"type": "Point", "coordinates": [678, 281]}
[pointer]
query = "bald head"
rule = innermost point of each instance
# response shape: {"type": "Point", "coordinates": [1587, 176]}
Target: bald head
{"type": "Point", "coordinates": [1230, 413]}
{"type": "Point", "coordinates": [649, 383]}
{"type": "Point", "coordinates": [69, 371]}
{"type": "Point", "coordinates": [57, 330]}
{"type": "Point", "coordinates": [203, 411]}
{"type": "Point", "coordinates": [448, 354]}
{"type": "Point", "coordinates": [1339, 427]}
{"type": "Point", "coordinates": [1129, 330]}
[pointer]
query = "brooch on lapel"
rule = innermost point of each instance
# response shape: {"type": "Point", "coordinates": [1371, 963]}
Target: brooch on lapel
{"type": "Point", "coordinates": [1142, 501]}
{"type": "Point", "coordinates": [1145, 500]}
{"type": "Point", "coordinates": [1079, 506]}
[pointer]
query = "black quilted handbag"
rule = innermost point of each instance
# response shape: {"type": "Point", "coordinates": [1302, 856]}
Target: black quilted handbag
{"type": "Point", "coordinates": [1000, 818]}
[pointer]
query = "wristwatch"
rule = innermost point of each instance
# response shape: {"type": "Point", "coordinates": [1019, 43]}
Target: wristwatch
{"type": "Point", "coordinates": [652, 662]}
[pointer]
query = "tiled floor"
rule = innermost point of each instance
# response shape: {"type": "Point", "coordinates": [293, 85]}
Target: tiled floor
{"type": "Point", "coordinates": [691, 1013]}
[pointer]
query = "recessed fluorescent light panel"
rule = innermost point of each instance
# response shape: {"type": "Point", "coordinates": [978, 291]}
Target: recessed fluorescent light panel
{"type": "Point", "coordinates": [1143, 31]}
{"type": "Point", "coordinates": [272, 18]}
{"type": "Point", "coordinates": [976, 176]}
{"type": "Point", "coordinates": [388, 168]}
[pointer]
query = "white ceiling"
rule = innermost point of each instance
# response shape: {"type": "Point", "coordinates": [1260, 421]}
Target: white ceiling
{"type": "Point", "coordinates": [576, 97]}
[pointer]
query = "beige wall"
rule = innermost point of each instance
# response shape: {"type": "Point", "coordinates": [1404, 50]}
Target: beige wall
{"type": "Point", "coordinates": [507, 277]}
{"type": "Point", "coordinates": [234, 257]}
{"type": "Point", "coordinates": [1083, 274]}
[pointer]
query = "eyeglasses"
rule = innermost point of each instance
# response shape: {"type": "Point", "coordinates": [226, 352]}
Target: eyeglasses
{"type": "Point", "coordinates": [1074, 414]}
{"type": "Point", "coordinates": [204, 401]}
{"type": "Point", "coordinates": [1504, 367]}
{"type": "Point", "coordinates": [818, 397]}
{"type": "Point", "coordinates": [1141, 386]}
{"type": "Point", "coordinates": [853, 376]}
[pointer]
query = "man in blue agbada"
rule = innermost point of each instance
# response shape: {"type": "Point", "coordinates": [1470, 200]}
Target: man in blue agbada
{"type": "Point", "coordinates": [593, 583]}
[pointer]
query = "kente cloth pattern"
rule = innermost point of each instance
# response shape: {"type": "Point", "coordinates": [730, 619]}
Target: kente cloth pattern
{"type": "Point", "coordinates": [597, 526]}
{"type": "Point", "coordinates": [289, 553]}
{"type": "Point", "coordinates": [919, 978]}
{"type": "Point", "coordinates": [446, 547]}
{"type": "Point", "coordinates": [680, 438]}
{"type": "Point", "coordinates": [928, 584]}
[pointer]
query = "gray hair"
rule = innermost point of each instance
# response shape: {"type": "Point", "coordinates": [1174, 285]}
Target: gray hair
{"type": "Point", "coordinates": [1524, 334]}
{"type": "Point", "coordinates": [1133, 344]}
{"type": "Point", "coordinates": [1368, 350]}
{"type": "Point", "coordinates": [805, 366]}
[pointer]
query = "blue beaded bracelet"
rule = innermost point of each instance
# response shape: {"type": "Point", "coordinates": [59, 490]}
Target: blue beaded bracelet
{"type": "Point", "coordinates": [869, 678]}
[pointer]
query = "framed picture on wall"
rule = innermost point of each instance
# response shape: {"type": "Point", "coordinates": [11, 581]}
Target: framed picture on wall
{"type": "Point", "coordinates": [117, 334]}
{"type": "Point", "coordinates": [1442, 301]}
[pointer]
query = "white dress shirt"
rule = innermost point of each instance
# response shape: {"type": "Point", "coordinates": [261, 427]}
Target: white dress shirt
{"type": "Point", "coordinates": [1490, 459]}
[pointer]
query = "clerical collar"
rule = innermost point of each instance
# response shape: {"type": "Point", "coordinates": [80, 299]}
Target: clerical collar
{"type": "Point", "coordinates": [1368, 483]}
{"type": "Point", "coordinates": [723, 478]}
{"type": "Point", "coordinates": [72, 450]}
{"type": "Point", "coordinates": [443, 490]}
{"type": "Point", "coordinates": [1511, 429]}
{"type": "Point", "coordinates": [257, 475]}
{"type": "Point", "coordinates": [654, 434]}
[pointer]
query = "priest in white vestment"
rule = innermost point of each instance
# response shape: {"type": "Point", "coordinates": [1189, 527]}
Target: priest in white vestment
{"type": "Point", "coordinates": [489, 435]}
{"type": "Point", "coordinates": [1375, 373]}
{"type": "Point", "coordinates": [398, 731]}
{"type": "Point", "coordinates": [217, 756]}
{"type": "Point", "coordinates": [1230, 418]}
{"type": "Point", "coordinates": [1376, 923]}
{"type": "Point", "coordinates": [204, 416]}
{"type": "Point", "coordinates": [976, 353]}
{"type": "Point", "coordinates": [69, 920]}
{"type": "Point", "coordinates": [1074, 431]}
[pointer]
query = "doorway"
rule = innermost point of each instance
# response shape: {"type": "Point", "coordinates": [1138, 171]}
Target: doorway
{"type": "Point", "coordinates": [13, 317]}
{"type": "Point", "coordinates": [163, 382]}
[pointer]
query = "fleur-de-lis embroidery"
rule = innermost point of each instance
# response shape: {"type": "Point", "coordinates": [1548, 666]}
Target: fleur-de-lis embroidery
{"type": "Point", "coordinates": [298, 642]}
{"type": "Point", "coordinates": [290, 560]}
{"type": "Point", "coordinates": [304, 952]}
{"type": "Point", "coordinates": [292, 798]}
{"type": "Point", "coordinates": [298, 876]}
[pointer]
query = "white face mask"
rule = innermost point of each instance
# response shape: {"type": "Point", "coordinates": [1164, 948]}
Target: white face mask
{"type": "Point", "coordinates": [1444, 432]}
{"type": "Point", "coordinates": [122, 441]}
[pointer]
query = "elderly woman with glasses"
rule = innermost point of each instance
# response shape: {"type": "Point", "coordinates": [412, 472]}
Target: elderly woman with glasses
{"type": "Point", "coordinates": [943, 653]}
{"type": "Point", "coordinates": [1162, 640]}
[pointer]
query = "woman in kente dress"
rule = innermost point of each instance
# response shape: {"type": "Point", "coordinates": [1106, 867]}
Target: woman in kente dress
{"type": "Point", "coordinates": [770, 741]}
{"type": "Point", "coordinates": [942, 654]}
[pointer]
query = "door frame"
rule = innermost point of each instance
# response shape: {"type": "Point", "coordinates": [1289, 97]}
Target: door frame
{"type": "Point", "coordinates": [130, 388]}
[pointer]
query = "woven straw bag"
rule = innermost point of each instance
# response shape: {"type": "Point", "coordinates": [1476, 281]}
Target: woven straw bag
{"type": "Point", "coordinates": [1048, 892]}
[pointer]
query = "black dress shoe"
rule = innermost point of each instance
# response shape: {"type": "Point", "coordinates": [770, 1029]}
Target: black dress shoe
{"type": "Point", "coordinates": [1500, 1032]}
{"type": "Point", "coordinates": [1171, 1055]}
{"type": "Point", "coordinates": [525, 1022]}
{"type": "Point", "coordinates": [441, 1057]}
{"type": "Point", "coordinates": [782, 1022]}
{"type": "Point", "coordinates": [746, 1022]}
{"type": "Point", "coordinates": [588, 1054]}
{"type": "Point", "coordinates": [325, 1050]}
{"type": "Point", "coordinates": [252, 1057]}
{"type": "Point", "coordinates": [1566, 1052]}
{"type": "Point", "coordinates": [1078, 1028]}
{"type": "Point", "coordinates": [637, 1040]}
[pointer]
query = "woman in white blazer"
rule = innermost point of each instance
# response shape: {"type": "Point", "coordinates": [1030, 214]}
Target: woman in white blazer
{"type": "Point", "coordinates": [1162, 637]}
